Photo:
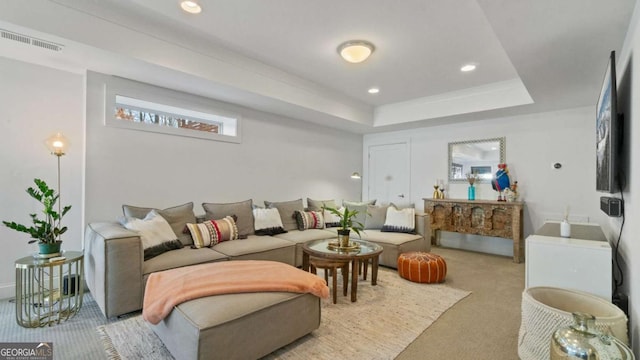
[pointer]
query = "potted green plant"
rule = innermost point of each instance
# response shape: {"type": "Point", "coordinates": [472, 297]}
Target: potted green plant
{"type": "Point", "coordinates": [347, 223]}
{"type": "Point", "coordinates": [46, 232]}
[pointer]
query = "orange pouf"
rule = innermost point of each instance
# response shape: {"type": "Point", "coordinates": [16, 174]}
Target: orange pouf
{"type": "Point", "coordinates": [422, 267]}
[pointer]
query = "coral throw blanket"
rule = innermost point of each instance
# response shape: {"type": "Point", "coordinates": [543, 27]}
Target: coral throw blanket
{"type": "Point", "coordinates": [166, 289]}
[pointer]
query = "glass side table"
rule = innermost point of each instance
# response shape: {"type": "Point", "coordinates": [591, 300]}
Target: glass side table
{"type": "Point", "coordinates": [48, 292]}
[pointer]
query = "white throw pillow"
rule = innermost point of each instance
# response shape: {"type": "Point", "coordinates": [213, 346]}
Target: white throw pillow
{"type": "Point", "coordinates": [267, 221]}
{"type": "Point", "coordinates": [153, 229]}
{"type": "Point", "coordinates": [400, 220]}
{"type": "Point", "coordinates": [330, 219]}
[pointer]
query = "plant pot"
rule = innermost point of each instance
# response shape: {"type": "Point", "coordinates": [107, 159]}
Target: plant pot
{"type": "Point", "coordinates": [343, 237]}
{"type": "Point", "coordinates": [50, 248]}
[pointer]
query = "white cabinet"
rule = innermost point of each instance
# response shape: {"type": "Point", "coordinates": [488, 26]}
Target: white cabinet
{"type": "Point", "coordinates": [582, 262]}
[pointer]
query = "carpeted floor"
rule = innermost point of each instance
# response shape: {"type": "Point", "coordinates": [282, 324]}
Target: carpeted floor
{"type": "Point", "coordinates": [75, 338]}
{"type": "Point", "coordinates": [384, 320]}
{"type": "Point", "coordinates": [481, 326]}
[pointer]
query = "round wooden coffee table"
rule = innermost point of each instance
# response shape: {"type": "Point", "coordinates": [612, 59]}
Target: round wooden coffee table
{"type": "Point", "coordinates": [364, 251]}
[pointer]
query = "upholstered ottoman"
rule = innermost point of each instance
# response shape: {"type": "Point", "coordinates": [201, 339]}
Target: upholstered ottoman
{"type": "Point", "coordinates": [238, 326]}
{"type": "Point", "coordinates": [422, 267]}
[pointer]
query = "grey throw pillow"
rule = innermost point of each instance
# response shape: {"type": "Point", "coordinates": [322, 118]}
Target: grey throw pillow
{"type": "Point", "coordinates": [287, 211]}
{"type": "Point", "coordinates": [316, 205]}
{"type": "Point", "coordinates": [243, 210]}
{"type": "Point", "coordinates": [361, 207]}
{"type": "Point", "coordinates": [375, 219]}
{"type": "Point", "coordinates": [177, 217]}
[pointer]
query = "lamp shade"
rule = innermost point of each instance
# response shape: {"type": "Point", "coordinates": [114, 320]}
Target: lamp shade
{"type": "Point", "coordinates": [57, 144]}
{"type": "Point", "coordinates": [355, 51]}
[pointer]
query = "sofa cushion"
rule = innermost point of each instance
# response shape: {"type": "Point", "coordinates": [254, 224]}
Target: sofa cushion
{"type": "Point", "coordinates": [251, 245]}
{"type": "Point", "coordinates": [287, 210]}
{"type": "Point", "coordinates": [381, 237]}
{"type": "Point", "coordinates": [300, 237]}
{"type": "Point", "coordinates": [212, 232]}
{"type": "Point", "coordinates": [177, 217]}
{"type": "Point", "coordinates": [317, 205]}
{"type": "Point", "coordinates": [309, 220]}
{"type": "Point", "coordinates": [400, 220]}
{"type": "Point", "coordinates": [376, 217]}
{"type": "Point", "coordinates": [242, 210]}
{"type": "Point", "coordinates": [155, 233]}
{"type": "Point", "coordinates": [179, 258]}
{"type": "Point", "coordinates": [267, 221]}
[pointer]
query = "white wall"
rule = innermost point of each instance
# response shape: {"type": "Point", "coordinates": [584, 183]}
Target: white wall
{"type": "Point", "coordinates": [278, 159]}
{"type": "Point", "coordinates": [35, 103]}
{"type": "Point", "coordinates": [533, 143]}
{"type": "Point", "coordinates": [628, 76]}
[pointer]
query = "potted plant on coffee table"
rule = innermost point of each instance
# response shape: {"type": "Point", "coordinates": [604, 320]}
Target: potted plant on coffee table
{"type": "Point", "coordinates": [347, 223]}
{"type": "Point", "coordinates": [48, 230]}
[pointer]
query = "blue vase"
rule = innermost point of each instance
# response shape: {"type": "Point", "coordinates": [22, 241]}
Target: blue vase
{"type": "Point", "coordinates": [471, 193]}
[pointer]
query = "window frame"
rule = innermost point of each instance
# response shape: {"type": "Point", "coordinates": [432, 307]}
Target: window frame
{"type": "Point", "coordinates": [116, 86]}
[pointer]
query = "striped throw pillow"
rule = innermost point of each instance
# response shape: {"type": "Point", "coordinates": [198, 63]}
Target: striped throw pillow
{"type": "Point", "coordinates": [212, 232]}
{"type": "Point", "coordinates": [309, 220]}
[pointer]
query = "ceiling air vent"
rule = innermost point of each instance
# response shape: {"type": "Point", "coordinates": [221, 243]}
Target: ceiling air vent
{"type": "Point", "coordinates": [30, 40]}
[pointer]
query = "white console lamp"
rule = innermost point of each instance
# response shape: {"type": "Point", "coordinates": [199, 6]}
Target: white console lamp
{"type": "Point", "coordinates": [581, 262]}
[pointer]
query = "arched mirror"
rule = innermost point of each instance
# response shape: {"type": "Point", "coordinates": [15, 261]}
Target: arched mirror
{"type": "Point", "coordinates": [475, 156]}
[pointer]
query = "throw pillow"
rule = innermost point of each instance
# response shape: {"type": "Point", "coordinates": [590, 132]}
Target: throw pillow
{"type": "Point", "coordinates": [317, 205]}
{"type": "Point", "coordinates": [155, 233]}
{"type": "Point", "coordinates": [309, 220]}
{"type": "Point", "coordinates": [361, 207]}
{"type": "Point", "coordinates": [287, 210]}
{"type": "Point", "coordinates": [243, 210]}
{"type": "Point", "coordinates": [403, 221]}
{"type": "Point", "coordinates": [177, 217]}
{"type": "Point", "coordinates": [376, 218]}
{"type": "Point", "coordinates": [267, 221]}
{"type": "Point", "coordinates": [212, 232]}
{"type": "Point", "coordinates": [331, 219]}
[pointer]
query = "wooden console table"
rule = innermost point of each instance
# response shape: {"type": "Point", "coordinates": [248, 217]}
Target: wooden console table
{"type": "Point", "coordinates": [477, 217]}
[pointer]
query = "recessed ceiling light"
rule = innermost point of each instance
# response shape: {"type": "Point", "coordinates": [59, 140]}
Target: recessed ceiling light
{"type": "Point", "coordinates": [355, 51]}
{"type": "Point", "coordinates": [373, 90]}
{"type": "Point", "coordinates": [468, 67]}
{"type": "Point", "coordinates": [191, 7]}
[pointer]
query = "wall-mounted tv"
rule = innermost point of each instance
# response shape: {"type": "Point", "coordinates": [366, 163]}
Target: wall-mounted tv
{"type": "Point", "coordinates": [608, 133]}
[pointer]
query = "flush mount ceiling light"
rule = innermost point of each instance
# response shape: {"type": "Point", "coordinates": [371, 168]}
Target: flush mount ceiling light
{"type": "Point", "coordinates": [355, 51]}
{"type": "Point", "coordinates": [373, 90]}
{"type": "Point", "coordinates": [468, 67]}
{"type": "Point", "coordinates": [191, 7]}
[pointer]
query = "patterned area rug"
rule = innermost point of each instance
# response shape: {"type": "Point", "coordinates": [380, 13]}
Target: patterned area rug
{"type": "Point", "coordinates": [383, 322]}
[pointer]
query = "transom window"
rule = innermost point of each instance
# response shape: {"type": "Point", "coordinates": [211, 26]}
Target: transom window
{"type": "Point", "coordinates": [196, 119]}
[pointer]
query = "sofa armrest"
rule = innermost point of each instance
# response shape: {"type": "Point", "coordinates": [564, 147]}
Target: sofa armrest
{"type": "Point", "coordinates": [423, 229]}
{"type": "Point", "coordinates": [113, 268]}
{"type": "Point", "coordinates": [421, 224]}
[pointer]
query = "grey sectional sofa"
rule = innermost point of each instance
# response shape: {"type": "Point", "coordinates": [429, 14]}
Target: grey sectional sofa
{"type": "Point", "coordinates": [116, 272]}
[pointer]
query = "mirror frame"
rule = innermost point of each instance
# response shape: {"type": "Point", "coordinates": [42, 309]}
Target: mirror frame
{"type": "Point", "coordinates": [503, 156]}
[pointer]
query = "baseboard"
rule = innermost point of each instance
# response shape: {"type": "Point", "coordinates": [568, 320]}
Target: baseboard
{"type": "Point", "coordinates": [8, 291]}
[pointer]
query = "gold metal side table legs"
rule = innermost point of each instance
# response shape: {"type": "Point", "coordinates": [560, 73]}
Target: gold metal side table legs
{"type": "Point", "coordinates": [48, 293]}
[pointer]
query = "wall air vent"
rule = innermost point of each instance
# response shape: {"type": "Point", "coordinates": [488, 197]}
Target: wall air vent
{"type": "Point", "coordinates": [9, 35]}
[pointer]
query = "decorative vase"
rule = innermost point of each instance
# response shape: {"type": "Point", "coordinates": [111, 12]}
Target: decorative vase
{"type": "Point", "coordinates": [50, 248]}
{"type": "Point", "coordinates": [343, 237]}
{"type": "Point", "coordinates": [471, 192]}
{"type": "Point", "coordinates": [583, 340]}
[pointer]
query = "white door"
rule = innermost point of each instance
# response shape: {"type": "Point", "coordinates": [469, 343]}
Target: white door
{"type": "Point", "coordinates": [389, 173]}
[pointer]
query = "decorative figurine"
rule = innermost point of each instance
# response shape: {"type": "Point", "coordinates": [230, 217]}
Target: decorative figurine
{"type": "Point", "coordinates": [501, 180]}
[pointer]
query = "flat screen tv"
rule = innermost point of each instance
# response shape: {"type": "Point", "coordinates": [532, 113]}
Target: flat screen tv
{"type": "Point", "coordinates": [608, 128]}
